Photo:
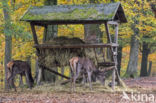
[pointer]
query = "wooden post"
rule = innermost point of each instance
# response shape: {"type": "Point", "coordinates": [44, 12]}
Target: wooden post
{"type": "Point", "coordinates": [107, 32]}
{"type": "Point", "coordinates": [38, 52]}
{"type": "Point", "coordinates": [45, 33]}
{"type": "Point", "coordinates": [35, 36]}
{"type": "Point", "coordinates": [55, 72]}
{"type": "Point", "coordinates": [115, 71]}
{"type": "Point", "coordinates": [103, 52]}
{"type": "Point", "coordinates": [115, 53]}
{"type": "Point", "coordinates": [95, 55]}
{"type": "Point", "coordinates": [110, 41]}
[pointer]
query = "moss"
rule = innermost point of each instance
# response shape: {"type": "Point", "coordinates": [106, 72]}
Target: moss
{"type": "Point", "coordinates": [76, 14]}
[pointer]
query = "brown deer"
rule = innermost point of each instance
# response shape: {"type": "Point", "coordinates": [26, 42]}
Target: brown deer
{"type": "Point", "coordinates": [84, 65]}
{"type": "Point", "coordinates": [23, 69]}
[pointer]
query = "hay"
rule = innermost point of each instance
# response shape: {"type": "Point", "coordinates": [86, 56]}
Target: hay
{"type": "Point", "coordinates": [60, 57]}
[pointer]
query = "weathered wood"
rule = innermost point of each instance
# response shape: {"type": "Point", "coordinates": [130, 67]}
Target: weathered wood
{"type": "Point", "coordinates": [34, 36]}
{"type": "Point", "coordinates": [53, 71]}
{"type": "Point", "coordinates": [106, 64]}
{"type": "Point", "coordinates": [76, 46]}
{"type": "Point", "coordinates": [113, 79]}
{"type": "Point", "coordinates": [105, 69]}
{"type": "Point", "coordinates": [43, 23]}
{"type": "Point", "coordinates": [76, 13]}
{"type": "Point", "coordinates": [45, 33]}
{"type": "Point", "coordinates": [113, 22]}
{"type": "Point", "coordinates": [107, 32]}
{"type": "Point", "coordinates": [115, 71]}
{"type": "Point", "coordinates": [103, 52]}
{"type": "Point", "coordinates": [95, 55]}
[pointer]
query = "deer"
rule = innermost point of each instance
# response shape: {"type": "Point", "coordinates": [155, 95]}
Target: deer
{"type": "Point", "coordinates": [23, 69]}
{"type": "Point", "coordinates": [84, 65]}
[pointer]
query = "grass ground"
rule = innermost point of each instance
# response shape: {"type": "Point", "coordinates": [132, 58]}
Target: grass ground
{"type": "Point", "coordinates": [55, 93]}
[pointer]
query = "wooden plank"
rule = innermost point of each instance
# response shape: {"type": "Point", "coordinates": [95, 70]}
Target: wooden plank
{"type": "Point", "coordinates": [53, 71]}
{"type": "Point", "coordinates": [76, 46]}
{"type": "Point", "coordinates": [34, 36]}
{"type": "Point", "coordinates": [45, 33]}
{"type": "Point", "coordinates": [105, 69]}
{"type": "Point", "coordinates": [43, 23]}
{"type": "Point", "coordinates": [110, 41]}
{"type": "Point", "coordinates": [113, 79]}
{"type": "Point", "coordinates": [106, 64]}
{"type": "Point", "coordinates": [113, 22]}
{"type": "Point", "coordinates": [103, 52]}
{"type": "Point", "coordinates": [107, 32]}
{"type": "Point", "coordinates": [95, 55]}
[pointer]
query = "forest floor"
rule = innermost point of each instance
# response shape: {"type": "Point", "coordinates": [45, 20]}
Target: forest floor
{"type": "Point", "coordinates": [139, 90]}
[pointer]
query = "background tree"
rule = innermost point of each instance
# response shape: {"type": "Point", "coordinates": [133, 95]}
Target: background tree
{"type": "Point", "coordinates": [147, 30]}
{"type": "Point", "coordinates": [8, 37]}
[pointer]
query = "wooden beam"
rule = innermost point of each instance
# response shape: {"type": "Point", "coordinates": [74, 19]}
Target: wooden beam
{"type": "Point", "coordinates": [113, 79]}
{"type": "Point", "coordinates": [45, 33]}
{"type": "Point", "coordinates": [61, 22]}
{"type": "Point", "coordinates": [53, 71]}
{"type": "Point", "coordinates": [76, 45]}
{"type": "Point", "coordinates": [103, 52]}
{"type": "Point", "coordinates": [35, 36]}
{"type": "Point", "coordinates": [110, 41]}
{"type": "Point", "coordinates": [116, 39]}
{"type": "Point", "coordinates": [113, 22]}
{"type": "Point", "coordinates": [107, 32]}
{"type": "Point", "coordinates": [95, 55]}
{"type": "Point", "coordinates": [116, 34]}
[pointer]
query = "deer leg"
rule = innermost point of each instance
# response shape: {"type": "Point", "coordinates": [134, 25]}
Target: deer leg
{"type": "Point", "coordinates": [11, 81]}
{"type": "Point", "coordinates": [78, 69]}
{"type": "Point", "coordinates": [27, 80]}
{"type": "Point", "coordinates": [89, 79]}
{"type": "Point", "coordinates": [21, 82]}
{"type": "Point", "coordinates": [84, 79]}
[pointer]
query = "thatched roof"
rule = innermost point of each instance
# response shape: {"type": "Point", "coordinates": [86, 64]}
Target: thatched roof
{"type": "Point", "coordinates": [66, 14]}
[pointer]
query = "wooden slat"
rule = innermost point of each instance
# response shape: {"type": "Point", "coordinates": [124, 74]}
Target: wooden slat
{"type": "Point", "coordinates": [43, 23]}
{"type": "Point", "coordinates": [113, 22]}
{"type": "Point", "coordinates": [103, 52]}
{"type": "Point", "coordinates": [106, 64]}
{"type": "Point", "coordinates": [76, 46]}
{"type": "Point", "coordinates": [53, 71]}
{"type": "Point", "coordinates": [95, 55]}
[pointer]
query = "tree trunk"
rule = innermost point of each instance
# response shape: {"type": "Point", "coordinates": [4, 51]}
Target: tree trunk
{"type": "Point", "coordinates": [150, 68]}
{"type": "Point", "coordinates": [144, 61]}
{"type": "Point", "coordinates": [119, 58]}
{"type": "Point", "coordinates": [8, 38]}
{"type": "Point", "coordinates": [133, 59]}
{"type": "Point", "coordinates": [50, 33]}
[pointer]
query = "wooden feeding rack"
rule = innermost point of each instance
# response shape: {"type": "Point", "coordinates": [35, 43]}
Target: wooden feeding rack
{"type": "Point", "coordinates": [106, 14]}
{"type": "Point", "coordinates": [83, 46]}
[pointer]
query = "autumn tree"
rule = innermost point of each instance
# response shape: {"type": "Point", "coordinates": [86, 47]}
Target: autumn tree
{"type": "Point", "coordinates": [8, 37]}
{"type": "Point", "coordinates": [134, 47]}
{"type": "Point", "coordinates": [147, 30]}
